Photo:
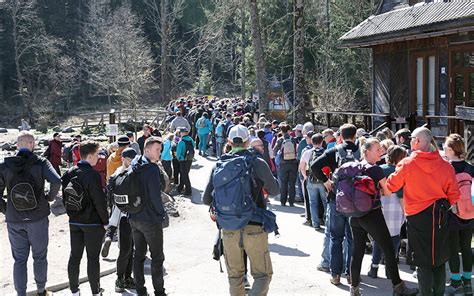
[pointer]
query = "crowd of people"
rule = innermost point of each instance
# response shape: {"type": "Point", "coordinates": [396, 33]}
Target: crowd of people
{"type": "Point", "coordinates": [259, 160]}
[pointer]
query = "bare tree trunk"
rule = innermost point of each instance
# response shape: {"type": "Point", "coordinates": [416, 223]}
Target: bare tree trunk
{"type": "Point", "coordinates": [242, 51]}
{"type": "Point", "coordinates": [300, 96]}
{"type": "Point", "coordinates": [15, 10]}
{"type": "Point", "coordinates": [259, 57]}
{"type": "Point", "coordinates": [164, 50]}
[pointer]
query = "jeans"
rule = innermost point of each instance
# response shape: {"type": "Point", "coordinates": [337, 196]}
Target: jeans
{"type": "Point", "coordinates": [185, 167]}
{"type": "Point", "coordinates": [287, 173]}
{"type": "Point", "coordinates": [219, 149]}
{"type": "Point", "coordinates": [374, 224]}
{"type": "Point", "coordinates": [325, 255]}
{"type": "Point", "coordinates": [460, 240]}
{"type": "Point", "coordinates": [148, 235]}
{"type": "Point", "coordinates": [300, 186]}
{"type": "Point", "coordinates": [89, 237]}
{"type": "Point", "coordinates": [431, 280]}
{"type": "Point", "coordinates": [377, 252]}
{"type": "Point", "coordinates": [203, 142]}
{"type": "Point", "coordinates": [317, 193]}
{"type": "Point", "coordinates": [125, 258]}
{"type": "Point", "coordinates": [339, 228]}
{"type": "Point", "coordinates": [253, 241]}
{"type": "Point", "coordinates": [24, 236]}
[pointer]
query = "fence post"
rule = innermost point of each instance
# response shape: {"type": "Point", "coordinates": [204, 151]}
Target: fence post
{"type": "Point", "coordinates": [388, 120]}
{"type": "Point", "coordinates": [328, 119]}
{"type": "Point", "coordinates": [112, 121]}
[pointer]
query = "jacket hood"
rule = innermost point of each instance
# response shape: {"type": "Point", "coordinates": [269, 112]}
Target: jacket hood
{"type": "Point", "coordinates": [428, 162]}
{"type": "Point", "coordinates": [139, 161]}
{"type": "Point", "coordinates": [186, 138]}
{"type": "Point", "coordinates": [18, 162]}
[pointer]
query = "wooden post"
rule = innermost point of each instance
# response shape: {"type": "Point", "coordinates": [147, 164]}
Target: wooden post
{"type": "Point", "coordinates": [354, 121]}
{"type": "Point", "coordinates": [388, 120]}
{"type": "Point", "coordinates": [428, 122]}
{"type": "Point", "coordinates": [313, 118]}
{"type": "Point", "coordinates": [112, 121]}
{"type": "Point", "coordinates": [328, 119]}
{"type": "Point", "coordinates": [366, 123]}
{"type": "Point", "coordinates": [345, 118]}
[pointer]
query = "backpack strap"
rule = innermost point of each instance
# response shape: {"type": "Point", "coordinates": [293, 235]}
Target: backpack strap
{"type": "Point", "coordinates": [340, 154]}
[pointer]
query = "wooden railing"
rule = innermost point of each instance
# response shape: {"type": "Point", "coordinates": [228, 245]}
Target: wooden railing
{"type": "Point", "coordinates": [121, 116]}
{"type": "Point", "coordinates": [353, 116]}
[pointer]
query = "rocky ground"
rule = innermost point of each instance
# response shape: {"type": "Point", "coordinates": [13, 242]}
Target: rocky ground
{"type": "Point", "coordinates": [190, 269]}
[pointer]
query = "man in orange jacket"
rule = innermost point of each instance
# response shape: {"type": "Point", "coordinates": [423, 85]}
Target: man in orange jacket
{"type": "Point", "coordinates": [430, 188]}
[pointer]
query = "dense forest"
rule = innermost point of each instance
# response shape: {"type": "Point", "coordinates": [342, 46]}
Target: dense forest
{"type": "Point", "coordinates": [61, 56]}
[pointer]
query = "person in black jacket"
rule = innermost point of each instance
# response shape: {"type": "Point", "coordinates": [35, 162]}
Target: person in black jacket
{"type": "Point", "coordinates": [147, 227]}
{"type": "Point", "coordinates": [28, 228]}
{"type": "Point", "coordinates": [87, 225]}
{"type": "Point", "coordinates": [338, 224]}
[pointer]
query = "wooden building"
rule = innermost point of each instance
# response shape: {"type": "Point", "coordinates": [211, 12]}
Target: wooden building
{"type": "Point", "coordinates": [423, 60]}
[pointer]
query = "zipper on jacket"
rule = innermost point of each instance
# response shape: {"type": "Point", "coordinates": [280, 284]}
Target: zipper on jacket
{"type": "Point", "coordinates": [433, 236]}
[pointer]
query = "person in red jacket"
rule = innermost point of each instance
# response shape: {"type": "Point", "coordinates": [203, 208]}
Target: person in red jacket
{"type": "Point", "coordinates": [430, 188]}
{"type": "Point", "coordinates": [55, 152]}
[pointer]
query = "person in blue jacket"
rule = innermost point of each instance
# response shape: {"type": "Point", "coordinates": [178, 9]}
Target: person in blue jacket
{"type": "Point", "coordinates": [167, 156]}
{"type": "Point", "coordinates": [204, 127]}
{"type": "Point", "coordinates": [185, 155]}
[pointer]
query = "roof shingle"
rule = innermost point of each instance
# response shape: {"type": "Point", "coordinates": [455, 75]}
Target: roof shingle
{"type": "Point", "coordinates": [402, 21]}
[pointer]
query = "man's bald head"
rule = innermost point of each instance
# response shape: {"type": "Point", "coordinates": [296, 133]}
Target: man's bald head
{"type": "Point", "coordinates": [257, 144]}
{"type": "Point", "coordinates": [26, 140]}
{"type": "Point", "coordinates": [421, 139]}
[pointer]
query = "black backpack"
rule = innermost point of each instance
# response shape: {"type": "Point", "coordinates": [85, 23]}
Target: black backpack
{"type": "Point", "coordinates": [126, 190]}
{"type": "Point", "coordinates": [189, 152]}
{"type": "Point", "coordinates": [74, 198]}
{"type": "Point", "coordinates": [24, 192]}
{"type": "Point", "coordinates": [316, 153]}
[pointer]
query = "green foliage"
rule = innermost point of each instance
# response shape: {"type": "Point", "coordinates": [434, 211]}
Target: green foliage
{"type": "Point", "coordinates": [204, 85]}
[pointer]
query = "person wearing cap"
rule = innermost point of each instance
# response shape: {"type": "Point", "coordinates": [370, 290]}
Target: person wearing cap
{"type": "Point", "coordinates": [179, 121]}
{"type": "Point", "coordinates": [115, 159]}
{"type": "Point", "coordinates": [134, 145]}
{"type": "Point", "coordinates": [185, 153]}
{"type": "Point", "coordinates": [254, 241]}
{"type": "Point", "coordinates": [118, 220]}
{"type": "Point", "coordinates": [55, 152]}
{"type": "Point", "coordinates": [298, 135]}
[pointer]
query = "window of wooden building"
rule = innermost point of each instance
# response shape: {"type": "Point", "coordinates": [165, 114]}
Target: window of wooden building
{"type": "Point", "coordinates": [462, 77]}
{"type": "Point", "coordinates": [424, 86]}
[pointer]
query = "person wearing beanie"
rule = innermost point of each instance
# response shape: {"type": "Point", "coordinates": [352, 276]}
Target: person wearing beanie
{"type": "Point", "coordinates": [115, 159]}
{"type": "Point", "coordinates": [118, 221]}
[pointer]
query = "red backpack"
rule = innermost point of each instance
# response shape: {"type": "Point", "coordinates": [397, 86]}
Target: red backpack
{"type": "Point", "coordinates": [465, 206]}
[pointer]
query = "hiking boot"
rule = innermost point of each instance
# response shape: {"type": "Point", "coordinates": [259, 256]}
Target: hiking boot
{"type": "Point", "coordinates": [129, 283]}
{"type": "Point", "coordinates": [246, 282]}
{"type": "Point", "coordinates": [142, 292]}
{"type": "Point", "coordinates": [355, 291]}
{"type": "Point", "coordinates": [335, 279]}
{"type": "Point", "coordinates": [308, 223]}
{"type": "Point", "coordinates": [402, 290]}
{"type": "Point", "coordinates": [322, 268]}
{"type": "Point", "coordinates": [373, 272]}
{"type": "Point", "coordinates": [44, 293]}
{"type": "Point", "coordinates": [106, 247]}
{"type": "Point", "coordinates": [119, 286]}
{"type": "Point", "coordinates": [467, 286]}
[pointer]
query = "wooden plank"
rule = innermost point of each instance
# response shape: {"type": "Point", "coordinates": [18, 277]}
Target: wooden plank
{"type": "Point", "coordinates": [465, 113]}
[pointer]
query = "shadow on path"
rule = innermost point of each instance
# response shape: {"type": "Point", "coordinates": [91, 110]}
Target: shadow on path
{"type": "Point", "coordinates": [286, 251]}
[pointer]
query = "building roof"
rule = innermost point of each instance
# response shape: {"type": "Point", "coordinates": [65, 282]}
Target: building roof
{"type": "Point", "coordinates": [412, 22]}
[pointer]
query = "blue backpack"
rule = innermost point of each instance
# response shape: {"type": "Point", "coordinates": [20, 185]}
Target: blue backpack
{"type": "Point", "coordinates": [233, 201]}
